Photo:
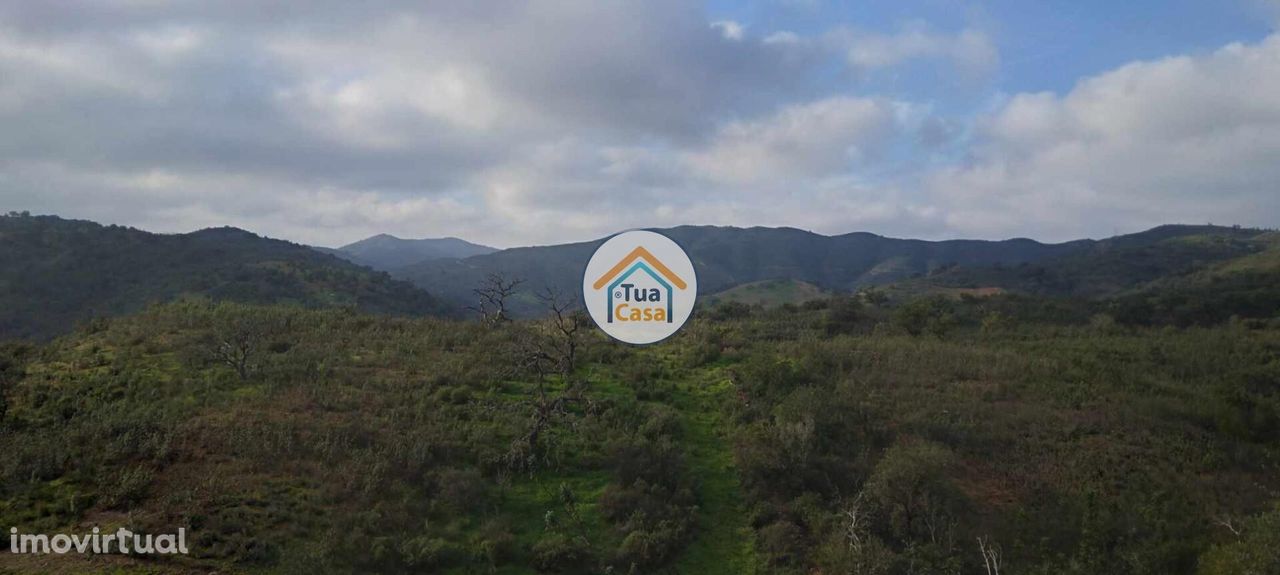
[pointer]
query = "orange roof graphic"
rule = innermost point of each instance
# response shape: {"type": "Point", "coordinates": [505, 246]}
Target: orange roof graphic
{"type": "Point", "coordinates": [635, 254]}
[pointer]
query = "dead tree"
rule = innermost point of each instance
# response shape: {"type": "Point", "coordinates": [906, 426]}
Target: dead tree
{"type": "Point", "coordinates": [1228, 523]}
{"type": "Point", "coordinates": [238, 343]}
{"type": "Point", "coordinates": [856, 523]}
{"type": "Point", "coordinates": [492, 295]}
{"type": "Point", "coordinates": [566, 322]}
{"type": "Point", "coordinates": [991, 556]}
{"type": "Point", "coordinates": [547, 351]}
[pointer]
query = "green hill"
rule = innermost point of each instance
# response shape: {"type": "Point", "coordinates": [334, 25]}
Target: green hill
{"type": "Point", "coordinates": [725, 257]}
{"type": "Point", "coordinates": [1109, 407]}
{"type": "Point", "coordinates": [1242, 287]}
{"type": "Point", "coordinates": [55, 273]}
{"type": "Point", "coordinates": [763, 443]}
{"type": "Point", "coordinates": [769, 293]}
{"type": "Point", "coordinates": [1112, 266]}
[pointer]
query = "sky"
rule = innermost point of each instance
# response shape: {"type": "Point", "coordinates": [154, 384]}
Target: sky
{"type": "Point", "coordinates": [533, 122]}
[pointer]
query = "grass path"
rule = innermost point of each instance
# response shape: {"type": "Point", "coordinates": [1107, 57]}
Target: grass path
{"type": "Point", "coordinates": [724, 541]}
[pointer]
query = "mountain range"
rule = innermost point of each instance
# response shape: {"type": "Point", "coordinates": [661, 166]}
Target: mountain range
{"type": "Point", "coordinates": [386, 252]}
{"type": "Point", "coordinates": [55, 273]}
{"type": "Point", "coordinates": [726, 257]}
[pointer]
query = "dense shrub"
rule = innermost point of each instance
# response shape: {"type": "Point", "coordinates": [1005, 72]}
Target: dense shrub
{"type": "Point", "coordinates": [844, 313]}
{"type": "Point", "coordinates": [933, 315]}
{"type": "Point", "coordinates": [559, 553]}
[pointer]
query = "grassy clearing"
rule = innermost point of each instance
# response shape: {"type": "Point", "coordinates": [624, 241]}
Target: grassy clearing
{"type": "Point", "coordinates": [725, 540]}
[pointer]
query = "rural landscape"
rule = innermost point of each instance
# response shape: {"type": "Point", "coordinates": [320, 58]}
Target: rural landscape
{"type": "Point", "coordinates": [838, 404]}
{"type": "Point", "coordinates": [640, 287]}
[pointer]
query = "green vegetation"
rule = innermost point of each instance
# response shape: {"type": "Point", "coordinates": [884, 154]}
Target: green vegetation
{"type": "Point", "coordinates": [928, 427]}
{"type": "Point", "coordinates": [727, 257]}
{"type": "Point", "coordinates": [55, 273]}
{"type": "Point", "coordinates": [824, 438]}
{"type": "Point", "coordinates": [1118, 265]}
{"type": "Point", "coordinates": [770, 293]}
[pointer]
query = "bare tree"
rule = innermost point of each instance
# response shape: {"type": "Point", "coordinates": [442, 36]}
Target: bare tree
{"type": "Point", "coordinates": [492, 295]}
{"type": "Point", "coordinates": [1228, 523]}
{"type": "Point", "coordinates": [991, 555]}
{"type": "Point", "coordinates": [548, 351]}
{"type": "Point", "coordinates": [856, 520]}
{"type": "Point", "coordinates": [566, 321]}
{"type": "Point", "coordinates": [238, 343]}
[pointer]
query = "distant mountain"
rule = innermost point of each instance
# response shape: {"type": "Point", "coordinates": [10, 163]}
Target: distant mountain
{"type": "Point", "coordinates": [386, 252]}
{"type": "Point", "coordinates": [725, 257]}
{"type": "Point", "coordinates": [56, 272]}
{"type": "Point", "coordinates": [1114, 266]}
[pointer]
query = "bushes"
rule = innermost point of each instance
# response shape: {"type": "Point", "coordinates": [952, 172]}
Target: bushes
{"type": "Point", "coordinates": [4, 401]}
{"type": "Point", "coordinates": [782, 542]}
{"type": "Point", "coordinates": [559, 553]}
{"type": "Point", "coordinates": [656, 527]}
{"type": "Point", "coordinates": [930, 315]}
{"type": "Point", "coordinates": [380, 443]}
{"type": "Point", "coordinates": [1255, 549]}
{"type": "Point", "coordinates": [730, 310]}
{"type": "Point", "coordinates": [651, 503]}
{"type": "Point", "coordinates": [128, 489]}
{"type": "Point", "coordinates": [911, 484]}
{"type": "Point", "coordinates": [461, 490]}
{"type": "Point", "coordinates": [13, 360]}
{"type": "Point", "coordinates": [496, 543]}
{"type": "Point", "coordinates": [843, 315]}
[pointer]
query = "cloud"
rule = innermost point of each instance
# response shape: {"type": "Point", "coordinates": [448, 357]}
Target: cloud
{"type": "Point", "coordinates": [805, 140]}
{"type": "Point", "coordinates": [971, 50]}
{"type": "Point", "coordinates": [729, 29]}
{"type": "Point", "coordinates": [398, 102]}
{"type": "Point", "coordinates": [1189, 138]}
{"type": "Point", "coordinates": [531, 122]}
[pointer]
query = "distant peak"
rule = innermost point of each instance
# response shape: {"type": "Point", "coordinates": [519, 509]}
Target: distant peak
{"type": "Point", "coordinates": [224, 230]}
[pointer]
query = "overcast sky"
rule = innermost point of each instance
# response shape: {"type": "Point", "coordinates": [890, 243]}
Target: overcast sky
{"type": "Point", "coordinates": [513, 123]}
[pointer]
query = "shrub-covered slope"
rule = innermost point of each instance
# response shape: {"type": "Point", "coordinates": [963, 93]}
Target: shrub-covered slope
{"type": "Point", "coordinates": [55, 273]}
{"type": "Point", "coordinates": [824, 438]}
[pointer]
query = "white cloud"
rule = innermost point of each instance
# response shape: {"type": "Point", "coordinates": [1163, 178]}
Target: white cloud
{"type": "Point", "coordinates": [970, 49]}
{"type": "Point", "coordinates": [814, 139]}
{"type": "Point", "coordinates": [1191, 138]}
{"type": "Point", "coordinates": [782, 37]}
{"type": "Point", "coordinates": [396, 103]}
{"type": "Point", "coordinates": [544, 121]}
{"type": "Point", "coordinates": [729, 29]}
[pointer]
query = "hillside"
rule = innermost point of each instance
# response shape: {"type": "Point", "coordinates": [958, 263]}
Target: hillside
{"type": "Point", "coordinates": [788, 442]}
{"type": "Point", "coordinates": [769, 293]}
{"type": "Point", "coordinates": [55, 273]}
{"type": "Point", "coordinates": [1114, 265]}
{"type": "Point", "coordinates": [725, 257]}
{"type": "Point", "coordinates": [385, 252]}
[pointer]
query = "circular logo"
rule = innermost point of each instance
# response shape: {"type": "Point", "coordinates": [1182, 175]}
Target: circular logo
{"type": "Point", "coordinates": [639, 287]}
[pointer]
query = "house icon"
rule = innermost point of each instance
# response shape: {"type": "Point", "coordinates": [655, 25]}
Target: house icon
{"type": "Point", "coordinates": [640, 260]}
